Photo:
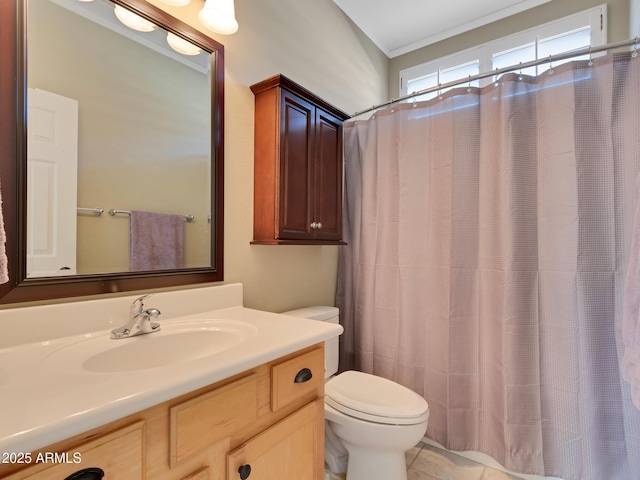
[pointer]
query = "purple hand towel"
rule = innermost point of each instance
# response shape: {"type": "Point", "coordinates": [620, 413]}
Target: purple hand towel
{"type": "Point", "coordinates": [156, 241]}
{"type": "Point", "coordinates": [4, 267]}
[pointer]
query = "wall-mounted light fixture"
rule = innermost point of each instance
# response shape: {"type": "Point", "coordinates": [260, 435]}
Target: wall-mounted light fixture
{"type": "Point", "coordinates": [182, 46]}
{"type": "Point", "coordinates": [219, 16]}
{"type": "Point", "coordinates": [134, 21]}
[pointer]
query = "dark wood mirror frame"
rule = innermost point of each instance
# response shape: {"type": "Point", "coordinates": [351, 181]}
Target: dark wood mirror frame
{"type": "Point", "coordinates": [13, 169]}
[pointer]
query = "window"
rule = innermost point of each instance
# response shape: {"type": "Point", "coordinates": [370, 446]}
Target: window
{"type": "Point", "coordinates": [463, 65]}
{"type": "Point", "coordinates": [569, 33]}
{"type": "Point", "coordinates": [443, 76]}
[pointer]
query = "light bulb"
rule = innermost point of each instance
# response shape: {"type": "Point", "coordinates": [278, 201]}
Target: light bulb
{"type": "Point", "coordinates": [134, 21]}
{"type": "Point", "coordinates": [181, 45]}
{"type": "Point", "coordinates": [219, 16]}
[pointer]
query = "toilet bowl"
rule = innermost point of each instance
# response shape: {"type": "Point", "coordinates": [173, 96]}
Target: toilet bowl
{"type": "Point", "coordinates": [370, 421]}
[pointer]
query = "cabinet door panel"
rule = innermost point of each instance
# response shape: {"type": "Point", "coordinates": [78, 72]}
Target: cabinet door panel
{"type": "Point", "coordinates": [296, 150]}
{"type": "Point", "coordinates": [328, 177]}
{"type": "Point", "coordinates": [291, 449]}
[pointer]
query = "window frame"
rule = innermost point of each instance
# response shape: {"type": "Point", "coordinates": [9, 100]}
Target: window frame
{"type": "Point", "coordinates": [595, 17]}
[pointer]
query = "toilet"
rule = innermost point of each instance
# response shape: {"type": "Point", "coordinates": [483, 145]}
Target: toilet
{"type": "Point", "coordinates": [369, 421]}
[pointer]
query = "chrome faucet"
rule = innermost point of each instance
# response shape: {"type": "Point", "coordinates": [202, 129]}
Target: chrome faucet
{"type": "Point", "coordinates": [139, 320]}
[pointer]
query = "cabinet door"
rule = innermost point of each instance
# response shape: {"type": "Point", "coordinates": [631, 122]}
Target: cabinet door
{"type": "Point", "coordinates": [118, 454]}
{"type": "Point", "coordinates": [327, 183]}
{"type": "Point", "coordinates": [296, 156]}
{"type": "Point", "coordinates": [291, 449]}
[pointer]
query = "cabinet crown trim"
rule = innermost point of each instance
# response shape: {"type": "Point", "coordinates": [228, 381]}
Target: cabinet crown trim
{"type": "Point", "coordinates": [288, 84]}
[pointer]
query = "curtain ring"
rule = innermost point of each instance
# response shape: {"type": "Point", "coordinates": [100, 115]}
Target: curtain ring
{"type": "Point", "coordinates": [635, 47]}
{"type": "Point", "coordinates": [550, 66]}
{"type": "Point", "coordinates": [590, 57]}
{"type": "Point", "coordinates": [495, 78]}
{"type": "Point", "coordinates": [520, 74]}
{"type": "Point", "coordinates": [439, 92]}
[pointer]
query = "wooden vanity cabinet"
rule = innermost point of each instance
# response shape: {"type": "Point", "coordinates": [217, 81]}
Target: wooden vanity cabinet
{"type": "Point", "coordinates": [298, 166]}
{"type": "Point", "coordinates": [261, 421]}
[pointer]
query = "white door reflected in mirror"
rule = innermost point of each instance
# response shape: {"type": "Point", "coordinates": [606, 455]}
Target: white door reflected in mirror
{"type": "Point", "coordinates": [52, 166]}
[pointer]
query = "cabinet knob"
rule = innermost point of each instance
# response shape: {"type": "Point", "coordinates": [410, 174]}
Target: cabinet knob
{"type": "Point", "coordinates": [316, 225]}
{"type": "Point", "coordinates": [87, 474]}
{"type": "Point", "coordinates": [244, 471]}
{"type": "Point", "coordinates": [319, 226]}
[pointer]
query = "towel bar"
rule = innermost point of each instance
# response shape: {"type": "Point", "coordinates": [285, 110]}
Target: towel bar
{"type": "Point", "coordinates": [97, 211]}
{"type": "Point", "coordinates": [113, 212]}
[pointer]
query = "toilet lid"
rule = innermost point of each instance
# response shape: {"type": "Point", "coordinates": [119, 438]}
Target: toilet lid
{"type": "Point", "coordinates": [375, 399]}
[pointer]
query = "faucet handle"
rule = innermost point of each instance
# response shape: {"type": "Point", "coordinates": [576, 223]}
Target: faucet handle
{"type": "Point", "coordinates": [137, 307]}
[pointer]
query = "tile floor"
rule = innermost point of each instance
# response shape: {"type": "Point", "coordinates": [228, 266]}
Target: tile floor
{"type": "Point", "coordinates": [425, 462]}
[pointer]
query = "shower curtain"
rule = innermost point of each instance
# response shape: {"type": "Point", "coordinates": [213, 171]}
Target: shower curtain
{"type": "Point", "coordinates": [488, 236]}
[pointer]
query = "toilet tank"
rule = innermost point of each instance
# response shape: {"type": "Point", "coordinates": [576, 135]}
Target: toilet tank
{"type": "Point", "coordinates": [323, 314]}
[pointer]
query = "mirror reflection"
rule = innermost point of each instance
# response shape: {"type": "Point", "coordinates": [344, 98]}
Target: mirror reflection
{"type": "Point", "coordinates": [118, 120]}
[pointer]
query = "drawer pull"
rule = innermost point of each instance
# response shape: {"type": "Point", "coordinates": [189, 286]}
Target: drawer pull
{"type": "Point", "coordinates": [303, 375]}
{"type": "Point", "coordinates": [244, 471]}
{"type": "Point", "coordinates": [87, 474]}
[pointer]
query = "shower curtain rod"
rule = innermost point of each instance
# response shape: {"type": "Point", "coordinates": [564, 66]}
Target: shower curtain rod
{"type": "Point", "coordinates": [498, 71]}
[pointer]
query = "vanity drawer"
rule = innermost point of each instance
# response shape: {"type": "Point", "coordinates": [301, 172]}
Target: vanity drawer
{"type": "Point", "coordinates": [210, 417]}
{"type": "Point", "coordinates": [296, 378]}
{"type": "Point", "coordinates": [120, 454]}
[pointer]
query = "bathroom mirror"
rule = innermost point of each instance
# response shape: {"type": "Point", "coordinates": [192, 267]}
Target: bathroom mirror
{"type": "Point", "coordinates": [113, 124]}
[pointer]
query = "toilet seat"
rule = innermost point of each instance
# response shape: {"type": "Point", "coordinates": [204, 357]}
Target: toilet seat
{"type": "Point", "coordinates": [375, 399]}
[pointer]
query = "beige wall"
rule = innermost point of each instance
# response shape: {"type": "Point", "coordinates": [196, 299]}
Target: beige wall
{"type": "Point", "coordinates": [313, 43]}
{"type": "Point", "coordinates": [617, 27]}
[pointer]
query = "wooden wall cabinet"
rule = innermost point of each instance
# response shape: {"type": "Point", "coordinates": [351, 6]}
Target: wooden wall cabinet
{"type": "Point", "coordinates": [298, 166]}
{"type": "Point", "coordinates": [259, 424]}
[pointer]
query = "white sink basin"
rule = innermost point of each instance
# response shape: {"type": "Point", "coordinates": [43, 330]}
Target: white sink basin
{"type": "Point", "coordinates": [175, 343]}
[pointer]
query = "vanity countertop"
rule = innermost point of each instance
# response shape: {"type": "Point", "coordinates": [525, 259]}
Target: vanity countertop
{"type": "Point", "coordinates": [42, 403]}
